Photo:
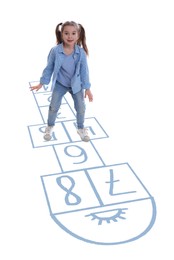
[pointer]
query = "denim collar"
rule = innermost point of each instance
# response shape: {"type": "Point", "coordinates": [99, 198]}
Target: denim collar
{"type": "Point", "coordinates": [76, 49]}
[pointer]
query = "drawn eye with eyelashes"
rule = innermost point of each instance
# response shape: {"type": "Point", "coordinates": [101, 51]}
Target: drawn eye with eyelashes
{"type": "Point", "coordinates": [108, 219]}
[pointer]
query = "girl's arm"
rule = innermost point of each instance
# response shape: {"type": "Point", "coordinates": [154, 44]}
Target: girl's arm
{"type": "Point", "coordinates": [47, 72]}
{"type": "Point", "coordinates": [84, 71]}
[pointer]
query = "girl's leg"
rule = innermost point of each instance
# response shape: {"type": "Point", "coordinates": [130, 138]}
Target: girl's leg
{"type": "Point", "coordinates": [80, 107]}
{"type": "Point", "coordinates": [56, 99]}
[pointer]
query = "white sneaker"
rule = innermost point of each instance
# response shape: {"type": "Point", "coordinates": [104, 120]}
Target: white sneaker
{"type": "Point", "coordinates": [48, 133]}
{"type": "Point", "coordinates": [83, 134]}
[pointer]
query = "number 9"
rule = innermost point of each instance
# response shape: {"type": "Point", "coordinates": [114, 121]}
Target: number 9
{"type": "Point", "coordinates": [82, 154]}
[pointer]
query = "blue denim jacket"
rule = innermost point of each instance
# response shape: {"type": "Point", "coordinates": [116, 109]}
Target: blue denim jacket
{"type": "Point", "coordinates": [55, 59]}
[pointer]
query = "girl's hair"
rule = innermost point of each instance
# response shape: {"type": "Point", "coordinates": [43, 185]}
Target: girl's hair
{"type": "Point", "coordinates": [82, 36]}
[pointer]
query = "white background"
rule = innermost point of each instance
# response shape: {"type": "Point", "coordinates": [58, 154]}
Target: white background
{"type": "Point", "coordinates": [131, 70]}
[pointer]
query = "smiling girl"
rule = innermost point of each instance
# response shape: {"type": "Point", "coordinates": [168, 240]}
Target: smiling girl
{"type": "Point", "coordinates": [67, 67]}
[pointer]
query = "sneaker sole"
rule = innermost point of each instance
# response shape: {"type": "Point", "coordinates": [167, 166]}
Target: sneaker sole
{"type": "Point", "coordinates": [47, 137]}
{"type": "Point", "coordinates": [85, 139]}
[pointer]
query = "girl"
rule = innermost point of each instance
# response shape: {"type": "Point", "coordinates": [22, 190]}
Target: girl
{"type": "Point", "coordinates": [68, 68]}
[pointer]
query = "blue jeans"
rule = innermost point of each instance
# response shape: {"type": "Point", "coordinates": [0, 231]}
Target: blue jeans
{"type": "Point", "coordinates": [56, 99]}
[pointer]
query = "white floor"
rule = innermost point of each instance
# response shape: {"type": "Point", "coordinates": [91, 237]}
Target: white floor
{"type": "Point", "coordinates": [131, 66]}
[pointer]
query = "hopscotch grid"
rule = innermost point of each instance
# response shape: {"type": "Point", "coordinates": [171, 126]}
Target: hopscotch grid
{"type": "Point", "coordinates": [98, 153]}
{"type": "Point", "coordinates": [31, 139]}
{"type": "Point", "coordinates": [94, 188]}
{"type": "Point", "coordinates": [107, 136]}
{"type": "Point", "coordinates": [60, 165]}
{"type": "Point", "coordinates": [63, 171]}
{"type": "Point", "coordinates": [86, 170]}
{"type": "Point", "coordinates": [136, 176]}
{"type": "Point", "coordinates": [66, 131]}
{"type": "Point", "coordinates": [79, 170]}
{"type": "Point", "coordinates": [46, 196]}
{"type": "Point", "coordinates": [38, 108]}
{"type": "Point", "coordinates": [48, 143]}
{"type": "Point", "coordinates": [100, 206]}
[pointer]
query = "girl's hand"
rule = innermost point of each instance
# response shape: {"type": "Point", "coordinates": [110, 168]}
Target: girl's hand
{"type": "Point", "coordinates": [37, 87]}
{"type": "Point", "coordinates": [89, 94]}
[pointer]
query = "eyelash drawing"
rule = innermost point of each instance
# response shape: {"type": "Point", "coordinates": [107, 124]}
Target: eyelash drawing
{"type": "Point", "coordinates": [113, 218]}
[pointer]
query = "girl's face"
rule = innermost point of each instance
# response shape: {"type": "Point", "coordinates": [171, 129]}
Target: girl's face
{"type": "Point", "coordinates": [70, 35]}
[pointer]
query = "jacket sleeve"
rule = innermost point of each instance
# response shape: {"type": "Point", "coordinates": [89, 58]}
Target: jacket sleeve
{"type": "Point", "coordinates": [84, 71]}
{"type": "Point", "coordinates": [48, 71]}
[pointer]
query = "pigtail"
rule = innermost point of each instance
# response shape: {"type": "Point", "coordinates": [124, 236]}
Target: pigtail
{"type": "Point", "coordinates": [82, 39]}
{"type": "Point", "coordinates": [58, 33]}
